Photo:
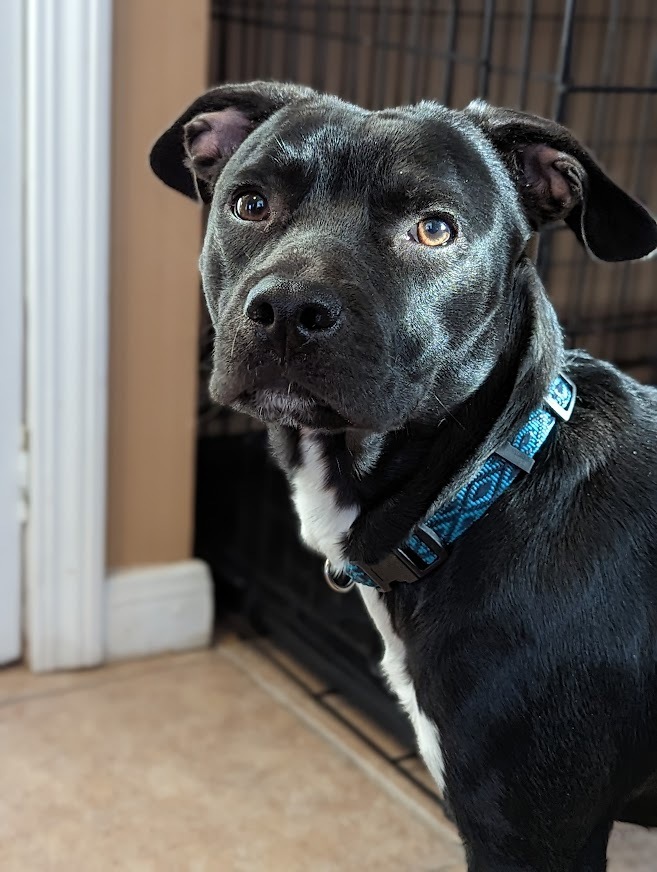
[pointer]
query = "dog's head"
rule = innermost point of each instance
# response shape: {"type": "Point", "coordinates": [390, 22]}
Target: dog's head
{"type": "Point", "coordinates": [356, 264]}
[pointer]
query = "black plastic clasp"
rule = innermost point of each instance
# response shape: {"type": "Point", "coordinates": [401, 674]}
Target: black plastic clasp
{"type": "Point", "coordinates": [403, 564]}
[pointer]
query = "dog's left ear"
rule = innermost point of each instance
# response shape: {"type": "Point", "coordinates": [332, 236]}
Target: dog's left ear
{"type": "Point", "coordinates": [557, 178]}
{"type": "Point", "coordinates": [190, 155]}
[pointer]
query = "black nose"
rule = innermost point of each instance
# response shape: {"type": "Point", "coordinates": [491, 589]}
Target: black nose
{"type": "Point", "coordinates": [292, 314]}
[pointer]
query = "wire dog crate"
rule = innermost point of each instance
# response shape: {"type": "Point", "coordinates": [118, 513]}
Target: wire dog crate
{"type": "Point", "coordinates": [590, 64]}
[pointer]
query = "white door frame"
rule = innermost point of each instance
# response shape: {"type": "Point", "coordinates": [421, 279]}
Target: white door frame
{"type": "Point", "coordinates": [67, 132]}
{"type": "Point", "coordinates": [11, 326]}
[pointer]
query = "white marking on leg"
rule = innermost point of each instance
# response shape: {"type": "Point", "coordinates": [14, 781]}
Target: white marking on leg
{"type": "Point", "coordinates": [396, 671]}
{"type": "Point", "coordinates": [324, 524]}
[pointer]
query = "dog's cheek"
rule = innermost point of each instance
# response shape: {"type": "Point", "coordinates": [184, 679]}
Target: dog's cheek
{"type": "Point", "coordinates": [446, 366]}
{"type": "Point", "coordinates": [217, 296]}
{"type": "Point", "coordinates": [410, 376]}
{"type": "Point", "coordinates": [212, 305]}
{"type": "Point", "coordinates": [232, 360]}
{"type": "Point", "coordinates": [219, 278]}
{"type": "Point", "coordinates": [423, 340]}
{"type": "Point", "coordinates": [473, 372]}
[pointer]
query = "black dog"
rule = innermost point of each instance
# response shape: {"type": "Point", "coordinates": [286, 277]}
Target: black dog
{"type": "Point", "coordinates": [373, 302]}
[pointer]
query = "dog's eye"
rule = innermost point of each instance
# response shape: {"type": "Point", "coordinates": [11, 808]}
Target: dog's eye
{"type": "Point", "coordinates": [433, 232]}
{"type": "Point", "coordinates": [251, 206]}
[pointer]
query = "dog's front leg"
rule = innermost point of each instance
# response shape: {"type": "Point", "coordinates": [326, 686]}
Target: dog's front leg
{"type": "Point", "coordinates": [504, 831]}
{"type": "Point", "coordinates": [530, 787]}
{"type": "Point", "coordinates": [508, 805]}
{"type": "Point", "coordinates": [591, 858]}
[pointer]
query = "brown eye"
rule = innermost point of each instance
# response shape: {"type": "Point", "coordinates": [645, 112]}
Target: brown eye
{"type": "Point", "coordinates": [251, 206]}
{"type": "Point", "coordinates": [434, 232]}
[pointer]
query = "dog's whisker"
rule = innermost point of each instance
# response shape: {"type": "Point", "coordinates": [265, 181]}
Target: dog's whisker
{"type": "Point", "coordinates": [451, 415]}
{"type": "Point", "coordinates": [232, 350]}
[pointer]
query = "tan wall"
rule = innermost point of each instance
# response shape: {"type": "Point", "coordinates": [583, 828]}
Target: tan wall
{"type": "Point", "coordinates": [160, 64]}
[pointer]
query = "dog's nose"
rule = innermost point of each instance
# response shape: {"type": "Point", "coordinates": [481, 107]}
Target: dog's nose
{"type": "Point", "coordinates": [292, 314]}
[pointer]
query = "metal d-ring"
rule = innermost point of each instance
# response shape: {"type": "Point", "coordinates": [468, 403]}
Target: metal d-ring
{"type": "Point", "coordinates": [331, 579]}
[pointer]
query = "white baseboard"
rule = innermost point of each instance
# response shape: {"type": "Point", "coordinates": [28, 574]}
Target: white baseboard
{"type": "Point", "coordinates": [154, 609]}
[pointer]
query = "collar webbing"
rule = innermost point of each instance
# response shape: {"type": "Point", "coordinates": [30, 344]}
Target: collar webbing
{"type": "Point", "coordinates": [427, 547]}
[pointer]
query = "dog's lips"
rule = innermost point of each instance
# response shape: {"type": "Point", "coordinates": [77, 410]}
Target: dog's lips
{"type": "Point", "coordinates": [290, 404]}
{"type": "Point", "coordinates": [283, 400]}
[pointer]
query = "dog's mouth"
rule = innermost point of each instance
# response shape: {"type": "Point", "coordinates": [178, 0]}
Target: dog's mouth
{"type": "Point", "coordinates": [291, 405]}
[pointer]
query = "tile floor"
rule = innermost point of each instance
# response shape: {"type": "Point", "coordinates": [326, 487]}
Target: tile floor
{"type": "Point", "coordinates": [213, 760]}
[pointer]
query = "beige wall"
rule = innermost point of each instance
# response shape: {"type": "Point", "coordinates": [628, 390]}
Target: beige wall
{"type": "Point", "coordinates": [160, 64]}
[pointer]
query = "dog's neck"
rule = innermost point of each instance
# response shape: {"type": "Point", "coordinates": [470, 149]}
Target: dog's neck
{"type": "Point", "coordinates": [358, 495]}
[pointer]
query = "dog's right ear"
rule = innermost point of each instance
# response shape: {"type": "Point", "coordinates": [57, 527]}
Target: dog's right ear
{"type": "Point", "coordinates": [556, 178]}
{"type": "Point", "coordinates": [190, 155]}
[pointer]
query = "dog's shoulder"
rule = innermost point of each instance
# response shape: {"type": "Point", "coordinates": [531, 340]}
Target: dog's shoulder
{"type": "Point", "coordinates": [614, 425]}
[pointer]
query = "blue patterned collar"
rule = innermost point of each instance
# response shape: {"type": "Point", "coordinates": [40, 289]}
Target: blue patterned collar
{"type": "Point", "coordinates": [427, 547]}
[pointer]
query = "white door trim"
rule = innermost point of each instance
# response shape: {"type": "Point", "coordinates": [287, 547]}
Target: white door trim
{"type": "Point", "coordinates": [11, 325]}
{"type": "Point", "coordinates": [67, 153]}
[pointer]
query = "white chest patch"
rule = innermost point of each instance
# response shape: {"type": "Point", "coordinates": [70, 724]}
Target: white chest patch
{"type": "Point", "coordinates": [395, 670]}
{"type": "Point", "coordinates": [324, 528]}
{"type": "Point", "coordinates": [324, 524]}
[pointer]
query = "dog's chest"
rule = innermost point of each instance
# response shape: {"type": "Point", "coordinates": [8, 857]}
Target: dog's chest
{"type": "Point", "coordinates": [324, 522]}
{"type": "Point", "coordinates": [325, 525]}
{"type": "Point", "coordinates": [394, 666]}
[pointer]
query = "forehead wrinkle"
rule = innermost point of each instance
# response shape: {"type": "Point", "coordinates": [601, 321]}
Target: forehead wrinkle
{"type": "Point", "coordinates": [413, 158]}
{"type": "Point", "coordinates": [426, 127]}
{"type": "Point", "coordinates": [302, 134]}
{"type": "Point", "coordinates": [324, 142]}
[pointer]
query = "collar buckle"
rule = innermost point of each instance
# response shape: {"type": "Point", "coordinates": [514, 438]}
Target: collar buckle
{"type": "Point", "coordinates": [404, 564]}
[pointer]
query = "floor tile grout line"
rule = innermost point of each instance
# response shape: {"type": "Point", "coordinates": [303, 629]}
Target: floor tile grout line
{"type": "Point", "coordinates": [320, 698]}
{"type": "Point", "coordinates": [445, 829]}
{"type": "Point", "coordinates": [69, 690]}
